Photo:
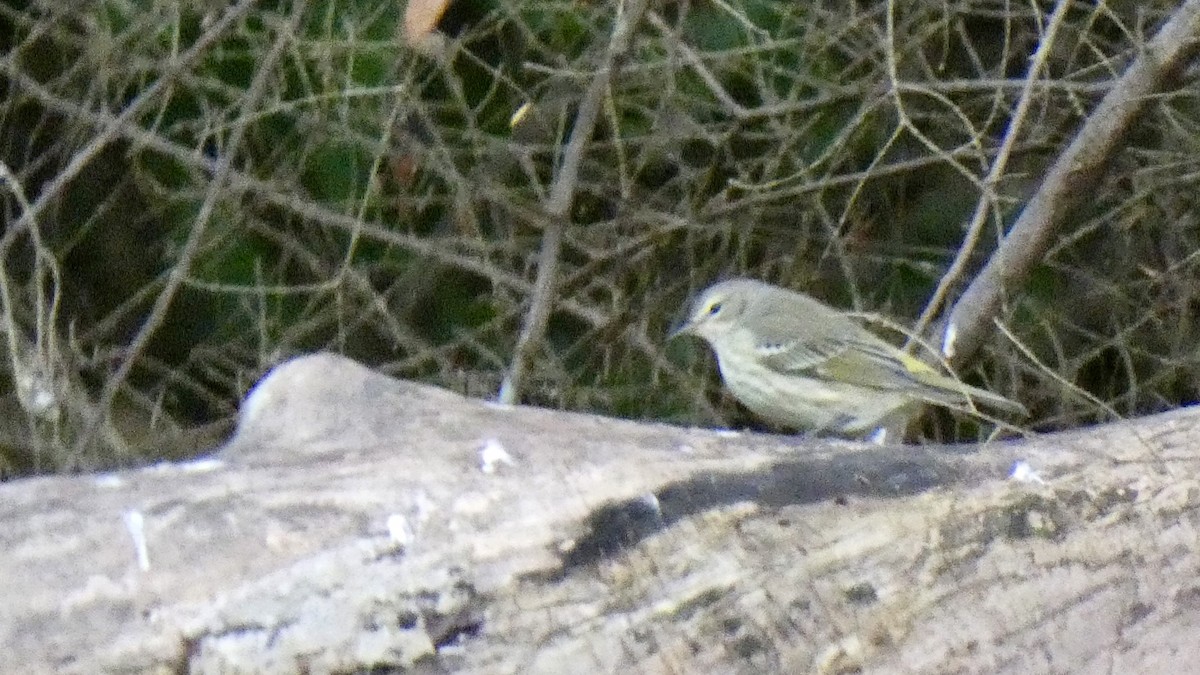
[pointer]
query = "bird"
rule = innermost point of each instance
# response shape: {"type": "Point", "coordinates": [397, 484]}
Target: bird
{"type": "Point", "coordinates": [798, 363]}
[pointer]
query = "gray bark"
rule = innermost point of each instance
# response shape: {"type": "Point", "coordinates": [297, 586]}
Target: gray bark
{"type": "Point", "coordinates": [351, 524]}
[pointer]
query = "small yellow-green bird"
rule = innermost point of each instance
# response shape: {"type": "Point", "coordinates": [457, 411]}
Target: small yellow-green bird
{"type": "Point", "coordinates": [800, 364]}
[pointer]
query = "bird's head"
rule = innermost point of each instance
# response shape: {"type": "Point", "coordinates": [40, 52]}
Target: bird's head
{"type": "Point", "coordinates": [716, 311]}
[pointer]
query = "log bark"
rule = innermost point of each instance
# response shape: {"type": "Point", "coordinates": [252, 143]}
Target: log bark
{"type": "Point", "coordinates": [357, 522]}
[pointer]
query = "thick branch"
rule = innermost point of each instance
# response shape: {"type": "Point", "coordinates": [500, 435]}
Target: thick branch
{"type": "Point", "coordinates": [1071, 180]}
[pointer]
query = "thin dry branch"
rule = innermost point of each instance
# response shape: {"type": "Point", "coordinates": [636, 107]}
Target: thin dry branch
{"type": "Point", "coordinates": [191, 248]}
{"type": "Point", "coordinates": [988, 198]}
{"type": "Point", "coordinates": [765, 148]}
{"type": "Point", "coordinates": [278, 196]}
{"type": "Point", "coordinates": [37, 364]}
{"type": "Point", "coordinates": [113, 126]}
{"type": "Point", "coordinates": [1071, 179]}
{"type": "Point", "coordinates": [562, 194]}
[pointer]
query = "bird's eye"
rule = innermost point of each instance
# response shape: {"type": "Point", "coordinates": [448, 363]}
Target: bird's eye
{"type": "Point", "coordinates": [714, 309]}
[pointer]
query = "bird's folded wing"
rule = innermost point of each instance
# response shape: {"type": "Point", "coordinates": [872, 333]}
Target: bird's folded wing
{"type": "Point", "coordinates": [859, 363]}
{"type": "Point", "coordinates": [874, 366]}
{"type": "Point", "coordinates": [797, 358]}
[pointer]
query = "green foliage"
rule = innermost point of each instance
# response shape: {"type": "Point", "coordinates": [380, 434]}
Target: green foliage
{"type": "Point", "coordinates": [335, 173]}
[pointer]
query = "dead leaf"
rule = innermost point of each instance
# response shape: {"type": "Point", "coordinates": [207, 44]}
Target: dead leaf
{"type": "Point", "coordinates": [420, 25]}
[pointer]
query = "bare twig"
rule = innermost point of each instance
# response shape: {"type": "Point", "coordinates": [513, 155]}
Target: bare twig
{"type": "Point", "coordinates": [289, 202]}
{"type": "Point", "coordinates": [735, 109]}
{"type": "Point", "coordinates": [1071, 179]}
{"type": "Point", "coordinates": [35, 364]}
{"type": "Point", "coordinates": [987, 199]}
{"type": "Point", "coordinates": [562, 193]}
{"type": "Point", "coordinates": [191, 248]}
{"type": "Point", "coordinates": [137, 106]}
{"type": "Point", "coordinates": [767, 153]}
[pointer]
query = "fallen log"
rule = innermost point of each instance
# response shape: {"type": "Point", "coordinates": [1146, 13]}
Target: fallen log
{"type": "Point", "coordinates": [355, 523]}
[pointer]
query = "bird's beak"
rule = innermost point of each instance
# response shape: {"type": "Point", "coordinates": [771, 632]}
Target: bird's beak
{"type": "Point", "coordinates": [682, 328]}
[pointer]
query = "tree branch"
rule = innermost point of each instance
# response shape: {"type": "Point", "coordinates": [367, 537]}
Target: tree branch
{"type": "Point", "coordinates": [1070, 180]}
{"type": "Point", "coordinates": [191, 247]}
{"type": "Point", "coordinates": [562, 194]}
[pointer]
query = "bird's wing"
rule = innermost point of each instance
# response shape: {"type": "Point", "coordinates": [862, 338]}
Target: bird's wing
{"type": "Point", "coordinates": [858, 357]}
{"type": "Point", "coordinates": [787, 344]}
{"type": "Point", "coordinates": [796, 356]}
{"type": "Point", "coordinates": [876, 365]}
{"type": "Point", "coordinates": [832, 347]}
{"type": "Point", "coordinates": [866, 363]}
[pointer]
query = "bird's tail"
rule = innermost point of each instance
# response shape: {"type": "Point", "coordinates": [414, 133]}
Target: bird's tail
{"type": "Point", "coordinates": [949, 391]}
